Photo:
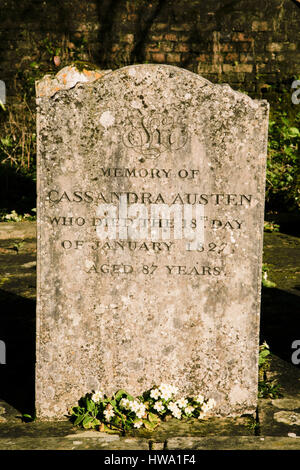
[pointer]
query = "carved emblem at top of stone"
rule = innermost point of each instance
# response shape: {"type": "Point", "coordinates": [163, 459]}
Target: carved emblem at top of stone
{"type": "Point", "coordinates": [151, 135]}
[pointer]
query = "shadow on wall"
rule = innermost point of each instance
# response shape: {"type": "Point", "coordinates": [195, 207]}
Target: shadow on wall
{"type": "Point", "coordinates": [17, 331]}
{"type": "Point", "coordinates": [109, 13]}
{"type": "Point", "coordinates": [280, 321]}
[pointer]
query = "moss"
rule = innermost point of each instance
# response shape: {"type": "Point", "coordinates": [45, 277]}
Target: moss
{"type": "Point", "coordinates": [84, 65]}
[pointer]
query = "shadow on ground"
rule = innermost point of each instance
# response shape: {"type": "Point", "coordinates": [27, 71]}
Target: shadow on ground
{"type": "Point", "coordinates": [17, 191]}
{"type": "Point", "coordinates": [280, 321]}
{"type": "Point", "coordinates": [18, 334]}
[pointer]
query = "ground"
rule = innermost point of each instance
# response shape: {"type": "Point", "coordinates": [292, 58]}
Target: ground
{"type": "Point", "coordinates": [276, 424]}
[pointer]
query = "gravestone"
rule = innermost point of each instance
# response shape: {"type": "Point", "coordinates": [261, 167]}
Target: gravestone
{"type": "Point", "coordinates": [150, 223]}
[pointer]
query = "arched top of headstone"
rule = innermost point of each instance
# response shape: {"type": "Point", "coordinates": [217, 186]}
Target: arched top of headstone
{"type": "Point", "coordinates": [183, 83]}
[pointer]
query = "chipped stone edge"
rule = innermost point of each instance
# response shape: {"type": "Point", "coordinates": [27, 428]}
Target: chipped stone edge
{"type": "Point", "coordinates": [57, 87]}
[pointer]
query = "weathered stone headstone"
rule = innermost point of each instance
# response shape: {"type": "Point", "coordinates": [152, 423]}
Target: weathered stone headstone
{"type": "Point", "coordinates": [150, 222]}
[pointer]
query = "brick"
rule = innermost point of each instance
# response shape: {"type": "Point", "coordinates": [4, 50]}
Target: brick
{"type": "Point", "coordinates": [182, 47]}
{"type": "Point", "coordinates": [171, 37]}
{"type": "Point", "coordinates": [159, 26]}
{"type": "Point", "coordinates": [237, 68]}
{"type": "Point", "coordinates": [217, 58]}
{"type": "Point", "coordinates": [182, 27]}
{"type": "Point", "coordinates": [176, 27]}
{"type": "Point", "coordinates": [274, 47]}
{"type": "Point", "coordinates": [291, 47]}
{"type": "Point", "coordinates": [152, 47]}
{"type": "Point", "coordinates": [129, 38]}
{"type": "Point", "coordinates": [173, 57]}
{"type": "Point", "coordinates": [245, 58]}
{"type": "Point", "coordinates": [268, 68]}
{"type": "Point", "coordinates": [242, 37]}
{"type": "Point", "coordinates": [156, 37]}
{"type": "Point", "coordinates": [245, 46]}
{"type": "Point", "coordinates": [167, 46]}
{"type": "Point", "coordinates": [260, 26]}
{"type": "Point", "coordinates": [227, 47]}
{"type": "Point", "coordinates": [231, 57]}
{"type": "Point", "coordinates": [158, 57]}
{"type": "Point", "coordinates": [183, 37]}
{"type": "Point", "coordinates": [209, 68]}
{"type": "Point", "coordinates": [203, 58]}
{"type": "Point", "coordinates": [233, 77]}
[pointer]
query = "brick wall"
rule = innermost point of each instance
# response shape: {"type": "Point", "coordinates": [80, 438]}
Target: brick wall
{"type": "Point", "coordinates": [249, 44]}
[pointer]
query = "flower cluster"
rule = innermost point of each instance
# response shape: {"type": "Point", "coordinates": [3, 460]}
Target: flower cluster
{"type": "Point", "coordinates": [123, 412]}
{"type": "Point", "coordinates": [162, 401]}
{"type": "Point", "coordinates": [135, 406]}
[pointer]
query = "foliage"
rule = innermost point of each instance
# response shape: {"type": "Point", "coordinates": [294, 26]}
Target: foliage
{"type": "Point", "coordinates": [18, 121]}
{"type": "Point", "coordinates": [15, 217]}
{"type": "Point", "coordinates": [265, 281]}
{"type": "Point", "coordinates": [18, 138]}
{"type": "Point", "coordinates": [283, 163]}
{"type": "Point", "coordinates": [266, 388]}
{"type": "Point", "coordinates": [264, 357]}
{"type": "Point", "coordinates": [271, 226]}
{"type": "Point", "coordinates": [122, 411]}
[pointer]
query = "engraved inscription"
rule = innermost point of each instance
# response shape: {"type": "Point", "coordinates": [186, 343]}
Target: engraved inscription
{"type": "Point", "coordinates": [152, 135]}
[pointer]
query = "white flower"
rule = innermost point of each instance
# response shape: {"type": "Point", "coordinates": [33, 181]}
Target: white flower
{"type": "Point", "coordinates": [189, 410]}
{"type": "Point", "coordinates": [138, 424]}
{"type": "Point", "coordinates": [108, 414]}
{"type": "Point", "coordinates": [141, 411]}
{"type": "Point", "coordinates": [166, 395]}
{"type": "Point", "coordinates": [159, 406]}
{"type": "Point", "coordinates": [171, 406]}
{"type": "Point", "coordinates": [176, 412]}
{"type": "Point", "coordinates": [199, 399]}
{"type": "Point", "coordinates": [154, 393]}
{"type": "Point", "coordinates": [182, 403]}
{"type": "Point", "coordinates": [134, 406]}
{"type": "Point", "coordinates": [201, 415]}
{"type": "Point", "coordinates": [211, 403]}
{"type": "Point", "coordinates": [97, 396]}
{"type": "Point", "coordinates": [205, 407]}
{"type": "Point", "coordinates": [166, 391]}
{"type": "Point", "coordinates": [124, 403]}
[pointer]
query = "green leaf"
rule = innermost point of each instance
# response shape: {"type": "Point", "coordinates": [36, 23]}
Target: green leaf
{"type": "Point", "coordinates": [294, 132]}
{"type": "Point", "coordinates": [120, 394]}
{"type": "Point", "coordinates": [34, 65]}
{"type": "Point", "coordinates": [79, 419]}
{"type": "Point", "coordinates": [27, 418]}
{"type": "Point", "coordinates": [153, 418]}
{"type": "Point", "coordinates": [87, 422]}
{"type": "Point", "coordinates": [90, 405]}
{"type": "Point", "coordinates": [149, 426]}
